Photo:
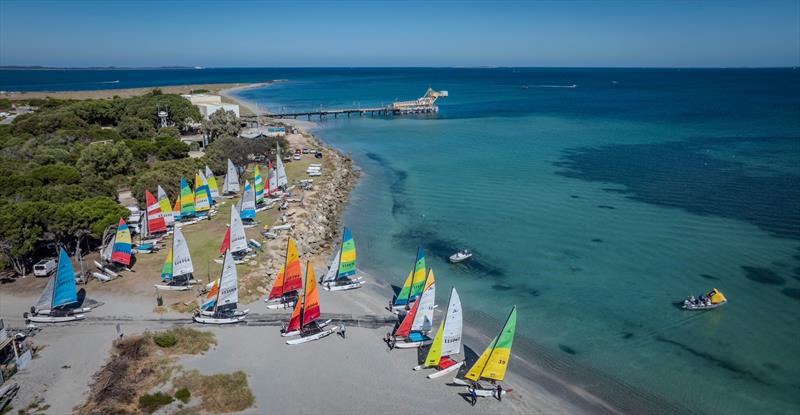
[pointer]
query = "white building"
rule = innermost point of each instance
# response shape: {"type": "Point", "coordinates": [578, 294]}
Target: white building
{"type": "Point", "coordinates": [209, 104]}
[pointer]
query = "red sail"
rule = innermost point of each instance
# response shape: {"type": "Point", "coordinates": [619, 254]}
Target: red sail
{"type": "Point", "coordinates": [277, 288]}
{"type": "Point", "coordinates": [294, 323]}
{"type": "Point", "coordinates": [311, 298]}
{"type": "Point", "coordinates": [155, 221]}
{"type": "Point", "coordinates": [294, 275]}
{"type": "Point", "coordinates": [226, 243]}
{"type": "Point", "coordinates": [405, 327]}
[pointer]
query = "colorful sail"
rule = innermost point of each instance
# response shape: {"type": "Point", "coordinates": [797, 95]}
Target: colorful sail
{"type": "Point", "coordinates": [211, 298]}
{"type": "Point", "coordinates": [448, 338]}
{"type": "Point", "coordinates": [212, 183]}
{"type": "Point", "coordinates": [238, 238]}
{"type": "Point", "coordinates": [228, 293]}
{"type": "Point", "coordinates": [176, 211]}
{"type": "Point", "coordinates": [311, 309]}
{"type": "Point", "coordinates": [65, 290]}
{"type": "Point", "coordinates": [347, 262]}
{"type": "Point", "coordinates": [232, 178]}
{"type": "Point", "coordinates": [182, 259]}
{"type": "Point", "coordinates": [423, 320]}
{"type": "Point", "coordinates": [494, 361]}
{"type": "Point", "coordinates": [293, 279]}
{"type": "Point", "coordinates": [155, 220]}
{"type": "Point", "coordinates": [277, 287]}
{"type": "Point", "coordinates": [258, 181]}
{"type": "Point", "coordinates": [717, 297]}
{"type": "Point", "coordinates": [166, 270]}
{"type": "Point", "coordinates": [166, 207]}
{"type": "Point", "coordinates": [226, 242]}
{"type": "Point", "coordinates": [247, 205]}
{"type": "Point", "coordinates": [415, 283]}
{"type": "Point", "coordinates": [122, 244]}
{"type": "Point", "coordinates": [187, 199]}
{"type": "Point", "coordinates": [404, 329]}
{"type": "Point", "coordinates": [297, 312]}
{"type": "Point", "coordinates": [202, 196]}
{"type": "Point", "coordinates": [280, 172]}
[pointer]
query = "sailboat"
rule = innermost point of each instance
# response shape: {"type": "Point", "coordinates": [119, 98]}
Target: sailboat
{"type": "Point", "coordinates": [414, 329]}
{"type": "Point", "coordinates": [280, 172]}
{"type": "Point", "coordinates": [289, 281]}
{"type": "Point", "coordinates": [187, 204]}
{"type": "Point", "coordinates": [121, 250]}
{"type": "Point", "coordinates": [177, 272]}
{"type": "Point", "coordinates": [202, 195]}
{"type": "Point", "coordinates": [176, 211]}
{"type": "Point", "coordinates": [230, 185]}
{"type": "Point", "coordinates": [235, 239]}
{"type": "Point", "coordinates": [60, 292]}
{"type": "Point", "coordinates": [258, 182]}
{"type": "Point", "coordinates": [247, 204]}
{"type": "Point", "coordinates": [224, 306]}
{"type": "Point", "coordinates": [413, 286]}
{"type": "Point", "coordinates": [152, 226]}
{"type": "Point", "coordinates": [493, 362]}
{"type": "Point", "coordinates": [272, 180]}
{"type": "Point", "coordinates": [447, 342]}
{"type": "Point", "coordinates": [343, 267]}
{"type": "Point", "coordinates": [166, 206]}
{"type": "Point", "coordinates": [212, 184]}
{"type": "Point", "coordinates": [306, 313]}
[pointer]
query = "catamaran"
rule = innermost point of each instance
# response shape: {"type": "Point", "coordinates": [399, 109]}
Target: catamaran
{"type": "Point", "coordinates": [289, 281]}
{"type": "Point", "coordinates": [280, 171]}
{"type": "Point", "coordinates": [247, 204]}
{"type": "Point", "coordinates": [223, 308]}
{"type": "Point", "coordinates": [177, 272]}
{"type": "Point", "coordinates": [166, 206]}
{"type": "Point", "coordinates": [202, 195]}
{"type": "Point", "coordinates": [235, 239]}
{"type": "Point", "coordinates": [414, 329]}
{"type": "Point", "coordinates": [493, 362]}
{"type": "Point", "coordinates": [306, 313]}
{"type": "Point", "coordinates": [188, 211]}
{"type": "Point", "coordinates": [212, 184]}
{"type": "Point", "coordinates": [153, 226]}
{"type": "Point", "coordinates": [413, 287]}
{"type": "Point", "coordinates": [447, 342]}
{"type": "Point", "coordinates": [230, 185]}
{"type": "Point", "coordinates": [60, 292]}
{"type": "Point", "coordinates": [258, 183]}
{"type": "Point", "coordinates": [343, 267]}
{"type": "Point", "coordinates": [121, 250]}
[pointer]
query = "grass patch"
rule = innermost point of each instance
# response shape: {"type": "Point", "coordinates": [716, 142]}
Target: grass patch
{"type": "Point", "coordinates": [220, 393]}
{"type": "Point", "coordinates": [165, 340]}
{"type": "Point", "coordinates": [189, 340]}
{"type": "Point", "coordinates": [183, 395]}
{"type": "Point", "coordinates": [151, 402]}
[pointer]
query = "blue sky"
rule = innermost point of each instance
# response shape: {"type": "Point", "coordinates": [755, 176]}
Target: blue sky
{"type": "Point", "coordinates": [645, 33]}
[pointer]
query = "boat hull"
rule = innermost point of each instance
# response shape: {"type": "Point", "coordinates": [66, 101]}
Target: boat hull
{"type": "Point", "coordinates": [350, 286]}
{"type": "Point", "coordinates": [71, 311]}
{"type": "Point", "coordinates": [173, 287]}
{"type": "Point", "coordinates": [211, 320]}
{"type": "Point", "coordinates": [54, 319]}
{"type": "Point", "coordinates": [237, 313]}
{"type": "Point", "coordinates": [703, 307]}
{"type": "Point", "coordinates": [481, 392]}
{"type": "Point", "coordinates": [440, 373]}
{"type": "Point", "coordinates": [297, 332]}
{"type": "Point", "coordinates": [278, 305]}
{"type": "Point", "coordinates": [315, 336]}
{"type": "Point", "coordinates": [411, 345]}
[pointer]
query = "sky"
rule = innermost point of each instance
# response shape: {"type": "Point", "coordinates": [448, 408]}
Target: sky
{"type": "Point", "coordinates": [352, 33]}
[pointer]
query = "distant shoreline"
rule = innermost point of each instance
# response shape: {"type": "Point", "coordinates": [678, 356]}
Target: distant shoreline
{"type": "Point", "coordinates": [128, 92]}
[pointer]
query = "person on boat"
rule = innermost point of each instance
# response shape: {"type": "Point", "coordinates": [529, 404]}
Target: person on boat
{"type": "Point", "coordinates": [499, 389]}
{"type": "Point", "coordinates": [473, 395]}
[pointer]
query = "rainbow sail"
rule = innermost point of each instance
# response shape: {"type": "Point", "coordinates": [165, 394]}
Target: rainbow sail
{"type": "Point", "coordinates": [415, 283]}
{"type": "Point", "coordinates": [166, 207]}
{"type": "Point", "coordinates": [155, 220]}
{"type": "Point", "coordinates": [176, 211]}
{"type": "Point", "coordinates": [202, 196]}
{"type": "Point", "coordinates": [166, 271]}
{"type": "Point", "coordinates": [212, 296]}
{"type": "Point", "coordinates": [187, 199]}
{"type": "Point", "coordinates": [212, 184]}
{"type": "Point", "coordinates": [259, 184]}
{"type": "Point", "coordinates": [494, 361]}
{"type": "Point", "coordinates": [121, 252]}
{"type": "Point", "coordinates": [347, 260]}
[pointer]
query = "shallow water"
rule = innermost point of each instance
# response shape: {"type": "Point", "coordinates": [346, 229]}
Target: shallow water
{"type": "Point", "coordinates": [593, 209]}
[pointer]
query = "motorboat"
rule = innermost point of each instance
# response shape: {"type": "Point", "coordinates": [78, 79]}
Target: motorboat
{"type": "Point", "coordinates": [461, 256]}
{"type": "Point", "coordinates": [709, 301]}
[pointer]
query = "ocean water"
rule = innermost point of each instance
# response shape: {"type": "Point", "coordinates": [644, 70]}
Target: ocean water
{"type": "Point", "coordinates": [593, 208]}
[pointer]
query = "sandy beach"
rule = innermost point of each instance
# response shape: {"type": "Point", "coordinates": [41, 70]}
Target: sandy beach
{"type": "Point", "coordinates": [356, 374]}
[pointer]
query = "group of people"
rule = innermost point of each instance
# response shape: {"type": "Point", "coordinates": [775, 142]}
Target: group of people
{"type": "Point", "coordinates": [473, 392]}
{"type": "Point", "coordinates": [704, 300]}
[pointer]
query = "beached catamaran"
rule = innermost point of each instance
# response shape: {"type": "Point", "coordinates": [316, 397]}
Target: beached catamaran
{"type": "Point", "coordinates": [187, 207]}
{"type": "Point", "coordinates": [212, 183]}
{"type": "Point", "coordinates": [235, 239]}
{"type": "Point", "coordinates": [202, 195]}
{"type": "Point", "coordinates": [340, 275]}
{"type": "Point", "coordinates": [59, 294]}
{"type": "Point", "coordinates": [416, 325]}
{"type": "Point", "coordinates": [223, 309]}
{"type": "Point", "coordinates": [493, 362]}
{"type": "Point", "coordinates": [247, 204]}
{"type": "Point", "coordinates": [447, 342]}
{"type": "Point", "coordinates": [258, 182]}
{"type": "Point", "coordinates": [306, 313]}
{"type": "Point", "coordinates": [413, 286]}
{"type": "Point", "coordinates": [289, 282]}
{"type": "Point", "coordinates": [166, 206]}
{"type": "Point", "coordinates": [177, 272]}
{"type": "Point", "coordinates": [230, 184]}
{"type": "Point", "coordinates": [121, 251]}
{"type": "Point", "coordinates": [156, 223]}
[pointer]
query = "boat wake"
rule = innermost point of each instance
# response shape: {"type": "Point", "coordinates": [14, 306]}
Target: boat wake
{"type": "Point", "coordinates": [110, 82]}
{"type": "Point", "coordinates": [550, 86]}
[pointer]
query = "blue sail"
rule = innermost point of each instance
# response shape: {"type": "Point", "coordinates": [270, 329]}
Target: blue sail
{"type": "Point", "coordinates": [65, 291]}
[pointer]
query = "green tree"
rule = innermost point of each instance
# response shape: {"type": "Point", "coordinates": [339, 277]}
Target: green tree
{"type": "Point", "coordinates": [170, 148]}
{"type": "Point", "coordinates": [134, 128]}
{"type": "Point", "coordinates": [105, 160]}
{"type": "Point", "coordinates": [222, 124]}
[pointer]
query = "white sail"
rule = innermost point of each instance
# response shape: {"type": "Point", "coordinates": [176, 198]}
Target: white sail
{"type": "Point", "coordinates": [144, 231]}
{"type": "Point", "coordinates": [424, 318]}
{"type": "Point", "coordinates": [225, 184]}
{"type": "Point", "coordinates": [232, 178]}
{"type": "Point", "coordinates": [46, 300]}
{"type": "Point", "coordinates": [108, 249]}
{"type": "Point", "coordinates": [451, 337]}
{"type": "Point", "coordinates": [280, 170]}
{"type": "Point", "coordinates": [333, 271]}
{"type": "Point", "coordinates": [272, 181]}
{"type": "Point", "coordinates": [181, 258]}
{"type": "Point", "coordinates": [238, 237]}
{"type": "Point", "coordinates": [169, 220]}
{"type": "Point", "coordinates": [214, 192]}
{"type": "Point", "coordinates": [228, 282]}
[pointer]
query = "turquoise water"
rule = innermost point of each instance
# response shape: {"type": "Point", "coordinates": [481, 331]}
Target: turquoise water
{"type": "Point", "coordinates": [593, 209]}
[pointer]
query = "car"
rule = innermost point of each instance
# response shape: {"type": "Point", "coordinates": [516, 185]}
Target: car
{"type": "Point", "coordinates": [305, 151]}
{"type": "Point", "coordinates": [297, 151]}
{"type": "Point", "coordinates": [318, 155]}
{"type": "Point", "coordinates": [297, 157]}
{"type": "Point", "coordinates": [44, 267]}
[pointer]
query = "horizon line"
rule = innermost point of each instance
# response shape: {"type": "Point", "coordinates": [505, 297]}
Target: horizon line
{"type": "Point", "coordinates": [200, 67]}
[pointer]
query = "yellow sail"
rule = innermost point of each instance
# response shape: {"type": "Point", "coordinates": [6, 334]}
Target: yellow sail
{"type": "Point", "coordinates": [435, 353]}
{"type": "Point", "coordinates": [717, 297]}
{"type": "Point", "coordinates": [494, 361]}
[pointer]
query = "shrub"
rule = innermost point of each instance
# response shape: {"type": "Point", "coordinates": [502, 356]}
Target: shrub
{"type": "Point", "coordinates": [151, 402]}
{"type": "Point", "coordinates": [165, 340]}
{"type": "Point", "coordinates": [183, 395]}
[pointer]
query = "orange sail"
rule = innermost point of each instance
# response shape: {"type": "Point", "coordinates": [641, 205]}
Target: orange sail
{"type": "Point", "coordinates": [277, 289]}
{"type": "Point", "coordinates": [294, 323]}
{"type": "Point", "coordinates": [311, 298]}
{"type": "Point", "coordinates": [293, 279]}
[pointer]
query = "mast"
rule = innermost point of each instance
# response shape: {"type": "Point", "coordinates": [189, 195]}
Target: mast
{"type": "Point", "coordinates": [494, 346]}
{"type": "Point", "coordinates": [303, 305]}
{"type": "Point", "coordinates": [285, 264]}
{"type": "Point", "coordinates": [221, 274]}
{"type": "Point", "coordinates": [341, 248]}
{"type": "Point", "coordinates": [413, 269]}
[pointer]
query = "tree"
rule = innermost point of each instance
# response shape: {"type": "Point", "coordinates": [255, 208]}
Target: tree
{"type": "Point", "coordinates": [136, 128]}
{"type": "Point", "coordinates": [105, 160]}
{"type": "Point", "coordinates": [222, 124]}
{"type": "Point", "coordinates": [170, 148]}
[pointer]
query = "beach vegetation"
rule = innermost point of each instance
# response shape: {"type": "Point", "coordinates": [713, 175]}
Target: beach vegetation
{"type": "Point", "coordinates": [150, 403]}
{"type": "Point", "coordinates": [165, 340]}
{"type": "Point", "coordinates": [183, 395]}
{"type": "Point", "coordinates": [5, 104]}
{"type": "Point", "coordinates": [220, 393]}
